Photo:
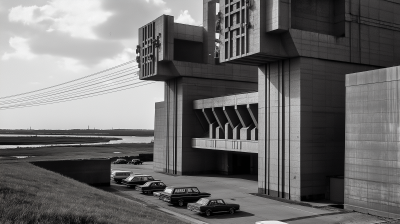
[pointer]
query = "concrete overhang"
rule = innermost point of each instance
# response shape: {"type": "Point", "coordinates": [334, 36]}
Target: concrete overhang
{"type": "Point", "coordinates": [226, 145]}
{"type": "Point", "coordinates": [225, 101]}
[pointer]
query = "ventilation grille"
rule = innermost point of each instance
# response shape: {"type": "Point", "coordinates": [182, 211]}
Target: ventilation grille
{"type": "Point", "coordinates": [235, 28]}
{"type": "Point", "coordinates": [147, 50]}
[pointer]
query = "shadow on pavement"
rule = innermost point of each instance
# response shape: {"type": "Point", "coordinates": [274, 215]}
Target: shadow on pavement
{"type": "Point", "coordinates": [226, 215]}
{"type": "Point", "coordinates": [313, 216]}
{"type": "Point", "coordinates": [244, 177]}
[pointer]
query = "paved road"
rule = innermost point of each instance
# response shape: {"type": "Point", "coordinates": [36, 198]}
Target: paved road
{"type": "Point", "coordinates": [233, 190]}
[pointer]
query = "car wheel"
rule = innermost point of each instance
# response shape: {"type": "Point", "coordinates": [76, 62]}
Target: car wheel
{"type": "Point", "coordinates": [208, 212]}
{"type": "Point", "coordinates": [181, 203]}
{"type": "Point", "coordinates": [231, 211]}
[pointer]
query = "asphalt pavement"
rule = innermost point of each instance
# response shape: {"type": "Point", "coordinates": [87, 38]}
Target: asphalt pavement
{"type": "Point", "coordinates": [234, 189]}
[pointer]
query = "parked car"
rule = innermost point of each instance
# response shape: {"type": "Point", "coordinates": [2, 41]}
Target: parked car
{"type": "Point", "coordinates": [182, 195]}
{"type": "Point", "coordinates": [210, 206]}
{"type": "Point", "coordinates": [119, 175]}
{"type": "Point", "coordinates": [157, 194]}
{"type": "Point", "coordinates": [134, 180]}
{"type": "Point", "coordinates": [120, 161]}
{"type": "Point", "coordinates": [135, 162]}
{"type": "Point", "coordinates": [151, 186]}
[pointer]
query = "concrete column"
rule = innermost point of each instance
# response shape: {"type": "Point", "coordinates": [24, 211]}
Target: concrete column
{"type": "Point", "coordinates": [233, 121]}
{"type": "Point", "coordinates": [219, 133]}
{"type": "Point", "coordinates": [245, 120]}
{"type": "Point", "coordinates": [228, 131]}
{"type": "Point", "coordinates": [220, 117]}
{"type": "Point", "coordinates": [253, 111]}
{"type": "Point", "coordinates": [211, 121]}
{"type": "Point", "coordinates": [254, 134]}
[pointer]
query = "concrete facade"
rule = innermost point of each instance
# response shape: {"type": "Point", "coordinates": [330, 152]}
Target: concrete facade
{"type": "Point", "coordinates": [296, 55]}
{"type": "Point", "coordinates": [372, 165]}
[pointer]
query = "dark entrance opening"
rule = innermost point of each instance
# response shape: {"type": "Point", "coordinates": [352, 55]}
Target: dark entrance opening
{"type": "Point", "coordinates": [244, 163]}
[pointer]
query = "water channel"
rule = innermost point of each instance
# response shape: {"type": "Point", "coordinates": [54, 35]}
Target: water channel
{"type": "Point", "coordinates": [123, 139]}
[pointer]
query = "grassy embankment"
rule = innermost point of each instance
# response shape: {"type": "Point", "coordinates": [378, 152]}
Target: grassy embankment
{"type": "Point", "coordinates": [75, 152]}
{"type": "Point", "coordinates": [29, 194]}
{"type": "Point", "coordinates": [32, 140]}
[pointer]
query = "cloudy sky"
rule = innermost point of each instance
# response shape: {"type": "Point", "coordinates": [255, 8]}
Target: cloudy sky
{"type": "Point", "coordinates": [47, 42]}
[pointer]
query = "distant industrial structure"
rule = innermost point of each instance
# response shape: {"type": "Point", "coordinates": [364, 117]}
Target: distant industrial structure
{"type": "Point", "coordinates": [260, 89]}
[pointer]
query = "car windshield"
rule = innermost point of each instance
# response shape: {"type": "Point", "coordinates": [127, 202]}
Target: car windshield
{"type": "Point", "coordinates": [147, 184]}
{"type": "Point", "coordinates": [168, 190]}
{"type": "Point", "coordinates": [203, 201]}
{"type": "Point", "coordinates": [130, 178]}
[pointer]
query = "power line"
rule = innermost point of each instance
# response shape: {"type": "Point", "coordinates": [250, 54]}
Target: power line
{"type": "Point", "coordinates": [126, 63]}
{"type": "Point", "coordinates": [63, 90]}
{"type": "Point", "coordinates": [99, 93]}
{"type": "Point", "coordinates": [56, 97]}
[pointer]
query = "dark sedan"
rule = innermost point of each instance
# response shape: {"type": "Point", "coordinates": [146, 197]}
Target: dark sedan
{"type": "Point", "coordinates": [151, 186]}
{"type": "Point", "coordinates": [210, 206]}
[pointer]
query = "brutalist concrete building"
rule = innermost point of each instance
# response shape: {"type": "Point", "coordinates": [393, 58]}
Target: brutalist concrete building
{"type": "Point", "coordinates": [259, 89]}
{"type": "Point", "coordinates": [372, 165]}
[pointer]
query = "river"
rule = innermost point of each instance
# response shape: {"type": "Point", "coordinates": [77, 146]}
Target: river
{"type": "Point", "coordinates": [124, 139]}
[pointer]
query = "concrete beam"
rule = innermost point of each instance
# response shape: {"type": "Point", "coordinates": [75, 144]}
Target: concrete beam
{"type": "Point", "coordinates": [220, 117]}
{"type": "Point", "coordinates": [253, 111]}
{"type": "Point", "coordinates": [243, 115]}
{"type": "Point", "coordinates": [231, 116]}
{"type": "Point", "coordinates": [203, 121]}
{"type": "Point", "coordinates": [208, 114]}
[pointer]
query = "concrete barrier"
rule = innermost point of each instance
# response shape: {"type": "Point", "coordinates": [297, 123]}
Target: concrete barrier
{"type": "Point", "coordinates": [91, 171]}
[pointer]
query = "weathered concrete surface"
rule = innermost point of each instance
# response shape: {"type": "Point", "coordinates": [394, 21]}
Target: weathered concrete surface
{"type": "Point", "coordinates": [372, 174]}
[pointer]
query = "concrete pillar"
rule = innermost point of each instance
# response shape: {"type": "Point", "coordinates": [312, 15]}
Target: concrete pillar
{"type": "Point", "coordinates": [228, 131]}
{"type": "Point", "coordinates": [211, 121]}
{"type": "Point", "coordinates": [236, 132]}
{"type": "Point", "coordinates": [219, 133]}
{"type": "Point", "coordinates": [253, 111]}
{"type": "Point", "coordinates": [220, 117]}
{"type": "Point", "coordinates": [233, 121]}
{"type": "Point", "coordinates": [213, 130]}
{"type": "Point", "coordinates": [245, 133]}
{"type": "Point", "coordinates": [254, 134]}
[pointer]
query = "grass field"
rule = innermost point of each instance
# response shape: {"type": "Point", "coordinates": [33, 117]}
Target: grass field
{"type": "Point", "coordinates": [32, 140]}
{"type": "Point", "coordinates": [29, 194]}
{"type": "Point", "coordinates": [75, 152]}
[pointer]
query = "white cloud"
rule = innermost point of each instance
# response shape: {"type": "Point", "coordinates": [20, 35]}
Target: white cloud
{"type": "Point", "coordinates": [70, 64]}
{"type": "Point", "coordinates": [166, 11]}
{"type": "Point", "coordinates": [185, 18]}
{"type": "Point", "coordinates": [21, 47]}
{"type": "Point", "coordinates": [75, 17]}
{"type": "Point", "coordinates": [157, 2]}
{"type": "Point", "coordinates": [126, 55]}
